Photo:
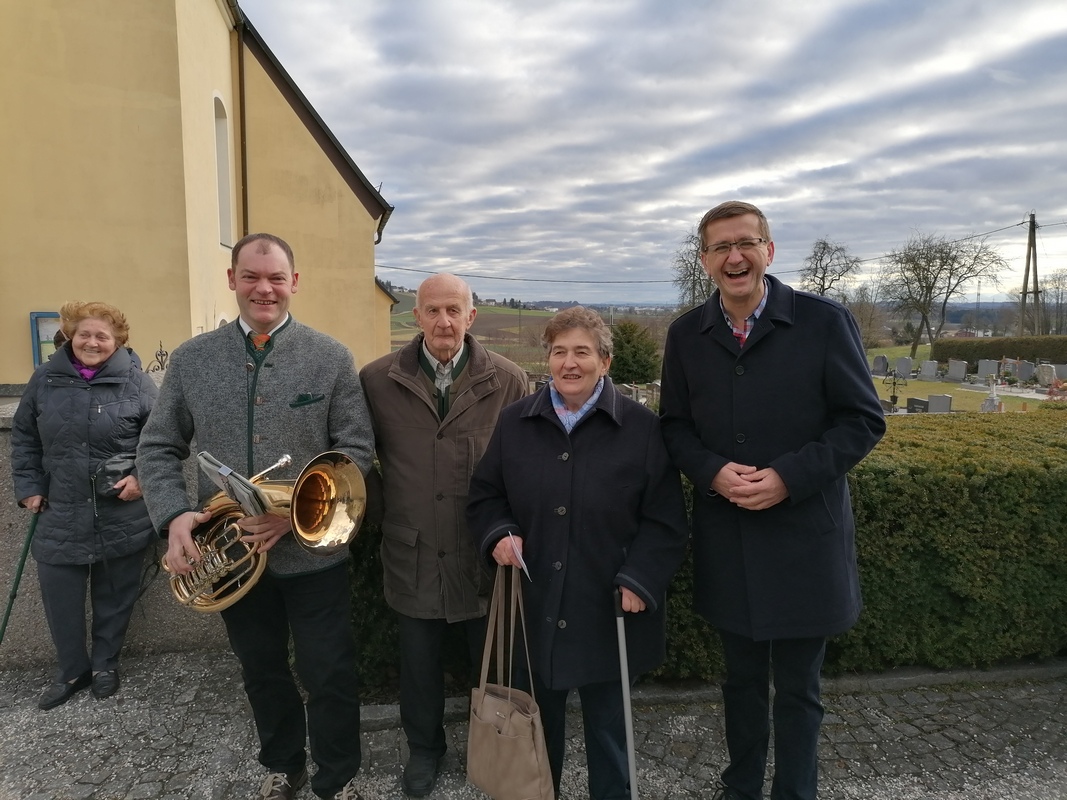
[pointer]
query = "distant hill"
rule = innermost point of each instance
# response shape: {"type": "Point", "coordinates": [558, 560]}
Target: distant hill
{"type": "Point", "coordinates": [407, 302]}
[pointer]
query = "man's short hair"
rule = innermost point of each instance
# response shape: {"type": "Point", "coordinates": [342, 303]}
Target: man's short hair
{"type": "Point", "coordinates": [268, 239]}
{"type": "Point", "coordinates": [733, 208]}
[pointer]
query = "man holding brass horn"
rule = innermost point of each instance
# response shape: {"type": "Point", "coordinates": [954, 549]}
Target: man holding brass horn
{"type": "Point", "coordinates": [249, 392]}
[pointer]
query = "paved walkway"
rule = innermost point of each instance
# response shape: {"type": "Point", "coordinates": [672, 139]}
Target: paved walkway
{"type": "Point", "coordinates": [179, 728]}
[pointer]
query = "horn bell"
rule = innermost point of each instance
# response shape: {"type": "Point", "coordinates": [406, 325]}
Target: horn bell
{"type": "Point", "coordinates": [328, 504]}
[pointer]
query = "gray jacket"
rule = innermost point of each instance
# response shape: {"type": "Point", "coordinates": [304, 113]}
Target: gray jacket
{"type": "Point", "coordinates": [63, 429]}
{"type": "Point", "coordinates": [301, 397]}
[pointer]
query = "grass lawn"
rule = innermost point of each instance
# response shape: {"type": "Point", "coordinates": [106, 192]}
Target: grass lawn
{"type": "Point", "coordinates": [962, 399]}
{"type": "Point", "coordinates": [895, 352]}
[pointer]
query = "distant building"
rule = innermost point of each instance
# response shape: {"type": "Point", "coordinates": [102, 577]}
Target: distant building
{"type": "Point", "coordinates": [141, 141]}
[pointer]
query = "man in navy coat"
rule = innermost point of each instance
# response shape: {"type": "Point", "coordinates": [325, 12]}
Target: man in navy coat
{"type": "Point", "coordinates": [767, 403]}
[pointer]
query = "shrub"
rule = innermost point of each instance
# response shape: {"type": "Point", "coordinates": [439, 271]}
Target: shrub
{"type": "Point", "coordinates": [962, 553]}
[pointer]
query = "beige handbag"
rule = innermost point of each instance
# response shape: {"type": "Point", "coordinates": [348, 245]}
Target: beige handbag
{"type": "Point", "coordinates": [506, 754]}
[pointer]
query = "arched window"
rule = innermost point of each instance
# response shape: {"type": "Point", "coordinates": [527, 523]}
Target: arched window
{"type": "Point", "coordinates": [222, 173]}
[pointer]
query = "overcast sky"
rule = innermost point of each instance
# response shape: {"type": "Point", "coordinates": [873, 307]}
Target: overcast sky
{"type": "Point", "coordinates": [581, 140]}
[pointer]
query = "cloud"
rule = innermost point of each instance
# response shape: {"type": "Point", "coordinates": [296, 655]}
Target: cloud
{"type": "Point", "coordinates": [581, 141]}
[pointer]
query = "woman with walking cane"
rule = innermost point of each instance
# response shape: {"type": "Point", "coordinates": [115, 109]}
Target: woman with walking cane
{"type": "Point", "coordinates": [576, 484]}
{"type": "Point", "coordinates": [73, 439]}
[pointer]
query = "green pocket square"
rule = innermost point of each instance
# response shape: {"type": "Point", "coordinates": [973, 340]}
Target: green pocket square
{"type": "Point", "coordinates": [306, 400]}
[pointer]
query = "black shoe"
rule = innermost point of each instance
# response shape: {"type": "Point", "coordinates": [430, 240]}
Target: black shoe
{"type": "Point", "coordinates": [282, 785]}
{"type": "Point", "coordinates": [725, 793]}
{"type": "Point", "coordinates": [420, 775]}
{"type": "Point", "coordinates": [59, 693]}
{"type": "Point", "coordinates": [105, 683]}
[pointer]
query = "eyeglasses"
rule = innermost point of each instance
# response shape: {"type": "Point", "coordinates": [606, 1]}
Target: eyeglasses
{"type": "Point", "coordinates": [743, 246]}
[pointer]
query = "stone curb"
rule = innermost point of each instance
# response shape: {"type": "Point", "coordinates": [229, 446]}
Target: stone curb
{"type": "Point", "coordinates": [386, 716]}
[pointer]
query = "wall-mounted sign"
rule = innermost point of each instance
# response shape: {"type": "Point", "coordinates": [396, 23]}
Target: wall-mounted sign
{"type": "Point", "coordinates": [43, 328]}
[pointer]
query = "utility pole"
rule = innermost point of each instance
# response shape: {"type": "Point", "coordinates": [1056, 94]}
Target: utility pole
{"type": "Point", "coordinates": [1031, 254]}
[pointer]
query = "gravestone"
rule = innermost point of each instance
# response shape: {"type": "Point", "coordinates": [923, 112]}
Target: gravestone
{"type": "Point", "coordinates": [1061, 371]}
{"type": "Point", "coordinates": [987, 367]}
{"type": "Point", "coordinates": [957, 370]}
{"type": "Point", "coordinates": [904, 366]}
{"type": "Point", "coordinates": [928, 371]}
{"type": "Point", "coordinates": [881, 365]}
{"type": "Point", "coordinates": [1046, 374]}
{"type": "Point", "coordinates": [917, 405]}
{"type": "Point", "coordinates": [939, 403]}
{"type": "Point", "coordinates": [1026, 371]}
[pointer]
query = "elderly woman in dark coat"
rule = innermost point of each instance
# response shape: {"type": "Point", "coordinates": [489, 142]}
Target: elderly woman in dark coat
{"type": "Point", "coordinates": [580, 478]}
{"type": "Point", "coordinates": [86, 405]}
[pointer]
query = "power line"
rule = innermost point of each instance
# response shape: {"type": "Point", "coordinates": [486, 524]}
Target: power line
{"type": "Point", "coordinates": [522, 280]}
{"type": "Point", "coordinates": [671, 280]}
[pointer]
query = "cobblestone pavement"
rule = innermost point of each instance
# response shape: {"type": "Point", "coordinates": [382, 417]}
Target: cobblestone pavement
{"type": "Point", "coordinates": [179, 728]}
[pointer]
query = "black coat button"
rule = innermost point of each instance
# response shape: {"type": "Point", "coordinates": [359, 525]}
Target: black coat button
{"type": "Point", "coordinates": [561, 511]}
{"type": "Point", "coordinates": [740, 438]}
{"type": "Point", "coordinates": [739, 370]}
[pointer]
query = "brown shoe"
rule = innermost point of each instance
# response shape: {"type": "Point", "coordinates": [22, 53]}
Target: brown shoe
{"type": "Point", "coordinates": [283, 785]}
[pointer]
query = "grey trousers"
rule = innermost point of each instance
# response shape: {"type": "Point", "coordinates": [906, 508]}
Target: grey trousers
{"type": "Point", "coordinates": [113, 587]}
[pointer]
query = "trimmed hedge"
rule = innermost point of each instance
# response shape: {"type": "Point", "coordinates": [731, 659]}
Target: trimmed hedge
{"type": "Point", "coordinates": [962, 548]}
{"type": "Point", "coordinates": [1027, 348]}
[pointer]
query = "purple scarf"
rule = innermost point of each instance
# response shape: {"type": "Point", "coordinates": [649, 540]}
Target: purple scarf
{"type": "Point", "coordinates": [86, 372]}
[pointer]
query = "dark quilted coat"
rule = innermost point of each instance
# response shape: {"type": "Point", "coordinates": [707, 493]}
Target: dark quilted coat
{"type": "Point", "coordinates": [63, 428]}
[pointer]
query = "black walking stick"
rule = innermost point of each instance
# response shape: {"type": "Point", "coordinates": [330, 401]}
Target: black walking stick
{"type": "Point", "coordinates": [18, 574]}
{"type": "Point", "coordinates": [627, 710]}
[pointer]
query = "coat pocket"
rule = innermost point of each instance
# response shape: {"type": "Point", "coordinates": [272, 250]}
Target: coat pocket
{"type": "Point", "coordinates": [400, 559]}
{"type": "Point", "coordinates": [306, 400]}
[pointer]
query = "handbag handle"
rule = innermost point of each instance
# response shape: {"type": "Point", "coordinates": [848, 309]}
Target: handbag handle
{"type": "Point", "coordinates": [495, 628]}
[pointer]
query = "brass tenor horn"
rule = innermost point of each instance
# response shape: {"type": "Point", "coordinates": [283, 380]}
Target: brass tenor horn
{"type": "Point", "coordinates": [325, 506]}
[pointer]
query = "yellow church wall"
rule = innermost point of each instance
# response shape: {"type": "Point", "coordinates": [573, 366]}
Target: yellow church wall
{"type": "Point", "coordinates": [92, 198]}
{"type": "Point", "coordinates": [295, 191]}
{"type": "Point", "coordinates": [206, 46]}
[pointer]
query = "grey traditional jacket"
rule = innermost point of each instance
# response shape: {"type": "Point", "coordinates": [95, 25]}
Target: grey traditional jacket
{"type": "Point", "coordinates": [300, 397]}
{"type": "Point", "coordinates": [432, 569]}
{"type": "Point", "coordinates": [63, 429]}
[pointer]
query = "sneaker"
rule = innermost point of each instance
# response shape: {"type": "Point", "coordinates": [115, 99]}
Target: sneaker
{"type": "Point", "coordinates": [348, 792]}
{"type": "Point", "coordinates": [420, 775]}
{"type": "Point", "coordinates": [283, 785]}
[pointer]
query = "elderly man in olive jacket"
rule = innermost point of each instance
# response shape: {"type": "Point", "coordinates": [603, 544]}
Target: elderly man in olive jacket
{"type": "Point", "coordinates": [767, 403]}
{"type": "Point", "coordinates": [435, 403]}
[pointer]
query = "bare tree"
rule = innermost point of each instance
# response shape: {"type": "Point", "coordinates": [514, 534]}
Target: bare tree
{"type": "Point", "coordinates": [830, 265]}
{"type": "Point", "coordinates": [869, 313]}
{"type": "Point", "coordinates": [928, 271]}
{"type": "Point", "coordinates": [1054, 301]}
{"type": "Point", "coordinates": [694, 285]}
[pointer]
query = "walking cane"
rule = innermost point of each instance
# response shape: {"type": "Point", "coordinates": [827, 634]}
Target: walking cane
{"type": "Point", "coordinates": [627, 711]}
{"type": "Point", "coordinates": [18, 574]}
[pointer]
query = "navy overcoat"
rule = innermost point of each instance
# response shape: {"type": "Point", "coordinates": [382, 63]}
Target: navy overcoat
{"type": "Point", "coordinates": [798, 398]}
{"type": "Point", "coordinates": [597, 508]}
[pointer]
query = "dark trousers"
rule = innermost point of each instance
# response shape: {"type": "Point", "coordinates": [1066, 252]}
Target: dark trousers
{"type": "Point", "coordinates": [797, 714]}
{"type": "Point", "coordinates": [603, 718]}
{"type": "Point", "coordinates": [422, 678]}
{"type": "Point", "coordinates": [113, 587]}
{"type": "Point", "coordinates": [316, 609]}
